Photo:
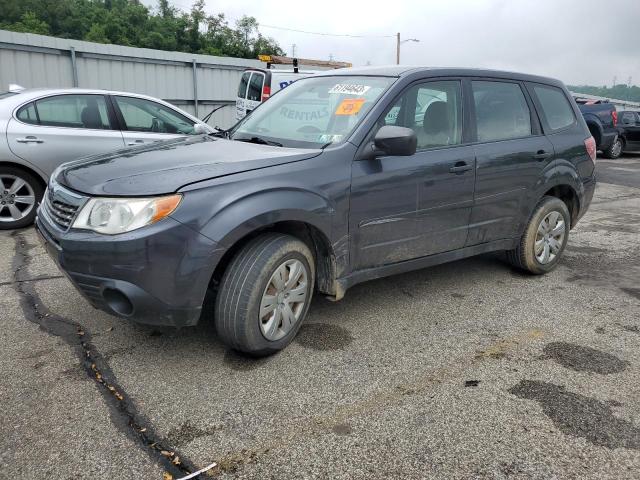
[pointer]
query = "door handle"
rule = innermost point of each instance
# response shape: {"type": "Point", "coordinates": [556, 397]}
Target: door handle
{"type": "Point", "coordinates": [460, 167]}
{"type": "Point", "coordinates": [29, 139]}
{"type": "Point", "coordinates": [541, 155]}
{"type": "Point", "coordinates": [136, 142]}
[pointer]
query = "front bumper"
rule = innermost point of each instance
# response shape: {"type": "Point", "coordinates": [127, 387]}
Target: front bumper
{"type": "Point", "coordinates": [156, 275]}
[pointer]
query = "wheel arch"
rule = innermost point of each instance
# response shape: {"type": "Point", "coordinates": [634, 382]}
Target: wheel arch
{"type": "Point", "coordinates": [310, 234]}
{"type": "Point", "coordinates": [43, 180]}
{"type": "Point", "coordinates": [569, 196]}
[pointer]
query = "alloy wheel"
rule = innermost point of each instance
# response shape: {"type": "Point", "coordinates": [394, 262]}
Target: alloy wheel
{"type": "Point", "coordinates": [17, 198]}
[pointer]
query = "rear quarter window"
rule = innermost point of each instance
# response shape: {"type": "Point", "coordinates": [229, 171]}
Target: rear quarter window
{"type": "Point", "coordinates": [27, 114]}
{"type": "Point", "coordinates": [556, 108]}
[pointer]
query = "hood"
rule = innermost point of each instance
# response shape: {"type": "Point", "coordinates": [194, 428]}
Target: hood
{"type": "Point", "coordinates": [166, 166]}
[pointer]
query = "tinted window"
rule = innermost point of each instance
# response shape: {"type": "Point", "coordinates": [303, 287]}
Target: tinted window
{"type": "Point", "coordinates": [255, 87]}
{"type": "Point", "coordinates": [27, 114]}
{"type": "Point", "coordinates": [433, 110]}
{"type": "Point", "coordinates": [242, 88]}
{"type": "Point", "coordinates": [142, 115]}
{"type": "Point", "coordinates": [501, 111]}
{"type": "Point", "coordinates": [74, 111]}
{"type": "Point", "coordinates": [556, 109]}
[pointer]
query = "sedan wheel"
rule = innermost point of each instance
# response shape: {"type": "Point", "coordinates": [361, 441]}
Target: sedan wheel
{"type": "Point", "coordinates": [20, 194]}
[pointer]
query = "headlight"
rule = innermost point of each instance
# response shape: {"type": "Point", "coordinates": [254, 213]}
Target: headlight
{"type": "Point", "coordinates": [119, 215]}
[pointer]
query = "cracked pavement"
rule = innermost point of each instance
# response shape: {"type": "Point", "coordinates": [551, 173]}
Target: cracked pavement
{"type": "Point", "coordinates": [465, 370]}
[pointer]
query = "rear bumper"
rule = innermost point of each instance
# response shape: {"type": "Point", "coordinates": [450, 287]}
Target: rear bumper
{"type": "Point", "coordinates": [157, 275]}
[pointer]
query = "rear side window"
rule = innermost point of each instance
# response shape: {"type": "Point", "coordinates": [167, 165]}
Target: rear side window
{"type": "Point", "coordinates": [255, 87]}
{"type": "Point", "coordinates": [73, 111]}
{"type": "Point", "coordinates": [502, 112]}
{"type": "Point", "coordinates": [27, 114]}
{"type": "Point", "coordinates": [556, 109]}
{"type": "Point", "coordinates": [244, 81]}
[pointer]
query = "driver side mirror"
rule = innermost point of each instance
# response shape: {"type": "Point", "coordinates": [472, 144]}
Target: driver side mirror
{"type": "Point", "coordinates": [395, 141]}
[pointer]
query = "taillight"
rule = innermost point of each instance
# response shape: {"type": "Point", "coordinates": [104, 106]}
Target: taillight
{"type": "Point", "coordinates": [266, 92]}
{"type": "Point", "coordinates": [614, 115]}
{"type": "Point", "coordinates": [590, 145]}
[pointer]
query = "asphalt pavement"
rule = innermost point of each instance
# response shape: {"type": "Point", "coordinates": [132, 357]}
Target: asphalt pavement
{"type": "Point", "coordinates": [465, 370]}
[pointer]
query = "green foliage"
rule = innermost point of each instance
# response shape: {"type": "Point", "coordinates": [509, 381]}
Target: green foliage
{"type": "Point", "coordinates": [619, 92]}
{"type": "Point", "coordinates": [129, 22]}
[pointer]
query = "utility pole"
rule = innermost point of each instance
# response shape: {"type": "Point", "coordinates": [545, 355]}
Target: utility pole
{"type": "Point", "coordinates": [331, 57]}
{"type": "Point", "coordinates": [293, 50]}
{"type": "Point", "coordinates": [398, 43]}
{"type": "Point", "coordinates": [614, 81]}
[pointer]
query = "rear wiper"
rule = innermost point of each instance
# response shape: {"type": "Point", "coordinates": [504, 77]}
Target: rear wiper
{"type": "Point", "coordinates": [259, 140]}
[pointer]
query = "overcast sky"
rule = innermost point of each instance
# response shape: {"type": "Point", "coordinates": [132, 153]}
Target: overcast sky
{"type": "Point", "coordinates": [578, 41]}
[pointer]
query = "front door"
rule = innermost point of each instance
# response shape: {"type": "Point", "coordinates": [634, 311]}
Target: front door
{"type": "Point", "coordinates": [409, 207]}
{"type": "Point", "coordinates": [57, 129]}
{"type": "Point", "coordinates": [511, 156]}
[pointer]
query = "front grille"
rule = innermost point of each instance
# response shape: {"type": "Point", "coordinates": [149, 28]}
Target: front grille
{"type": "Point", "coordinates": [60, 212]}
{"type": "Point", "coordinates": [61, 205]}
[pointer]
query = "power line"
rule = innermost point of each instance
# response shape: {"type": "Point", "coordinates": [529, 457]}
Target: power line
{"type": "Point", "coordinates": [326, 34]}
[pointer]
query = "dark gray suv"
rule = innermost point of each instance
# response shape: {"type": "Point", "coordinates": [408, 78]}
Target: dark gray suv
{"type": "Point", "coordinates": [340, 178]}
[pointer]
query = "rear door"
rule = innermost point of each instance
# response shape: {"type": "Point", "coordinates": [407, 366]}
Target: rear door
{"type": "Point", "coordinates": [241, 98]}
{"type": "Point", "coordinates": [56, 129]}
{"type": "Point", "coordinates": [512, 156]}
{"type": "Point", "coordinates": [145, 121]}
{"type": "Point", "coordinates": [254, 91]}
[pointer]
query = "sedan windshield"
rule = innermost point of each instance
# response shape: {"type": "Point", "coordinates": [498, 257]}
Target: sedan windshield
{"type": "Point", "coordinates": [312, 112]}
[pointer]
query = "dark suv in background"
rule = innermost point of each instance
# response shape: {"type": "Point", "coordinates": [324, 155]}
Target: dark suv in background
{"type": "Point", "coordinates": [340, 178]}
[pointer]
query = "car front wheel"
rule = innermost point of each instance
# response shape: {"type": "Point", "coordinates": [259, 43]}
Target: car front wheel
{"type": "Point", "coordinates": [264, 294]}
{"type": "Point", "coordinates": [544, 238]}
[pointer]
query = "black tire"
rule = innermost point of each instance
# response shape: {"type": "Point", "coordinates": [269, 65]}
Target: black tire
{"type": "Point", "coordinates": [237, 307]}
{"type": "Point", "coordinates": [32, 182]}
{"type": "Point", "coordinates": [615, 149]}
{"type": "Point", "coordinates": [523, 256]}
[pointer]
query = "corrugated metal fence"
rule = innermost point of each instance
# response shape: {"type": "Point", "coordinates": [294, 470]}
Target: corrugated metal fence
{"type": "Point", "coordinates": [195, 83]}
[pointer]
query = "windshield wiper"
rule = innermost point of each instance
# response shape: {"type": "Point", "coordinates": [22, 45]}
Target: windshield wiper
{"type": "Point", "coordinates": [259, 140]}
{"type": "Point", "coordinates": [220, 133]}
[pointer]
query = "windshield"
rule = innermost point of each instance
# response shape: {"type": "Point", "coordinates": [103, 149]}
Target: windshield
{"type": "Point", "coordinates": [312, 112]}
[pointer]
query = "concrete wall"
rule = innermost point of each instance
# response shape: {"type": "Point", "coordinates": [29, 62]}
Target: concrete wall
{"type": "Point", "coordinates": [41, 61]}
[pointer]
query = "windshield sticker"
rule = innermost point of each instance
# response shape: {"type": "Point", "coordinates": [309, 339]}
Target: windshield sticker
{"type": "Point", "coordinates": [329, 138]}
{"type": "Point", "coordinates": [305, 116]}
{"type": "Point", "coordinates": [350, 106]}
{"type": "Point", "coordinates": [348, 89]}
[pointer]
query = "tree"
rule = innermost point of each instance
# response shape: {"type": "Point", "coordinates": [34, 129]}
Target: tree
{"type": "Point", "coordinates": [129, 22]}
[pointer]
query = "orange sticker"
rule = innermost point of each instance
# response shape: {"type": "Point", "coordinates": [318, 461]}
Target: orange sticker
{"type": "Point", "coordinates": [350, 106]}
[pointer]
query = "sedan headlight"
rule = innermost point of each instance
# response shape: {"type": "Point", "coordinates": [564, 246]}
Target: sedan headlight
{"type": "Point", "coordinates": [118, 215]}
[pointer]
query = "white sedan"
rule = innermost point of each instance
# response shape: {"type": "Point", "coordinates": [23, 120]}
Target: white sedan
{"type": "Point", "coordinates": [43, 128]}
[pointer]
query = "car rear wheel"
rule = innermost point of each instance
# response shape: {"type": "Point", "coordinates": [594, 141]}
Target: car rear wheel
{"type": "Point", "coordinates": [20, 194]}
{"type": "Point", "coordinates": [615, 150]}
{"type": "Point", "coordinates": [544, 238]}
{"type": "Point", "coordinates": [264, 294]}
